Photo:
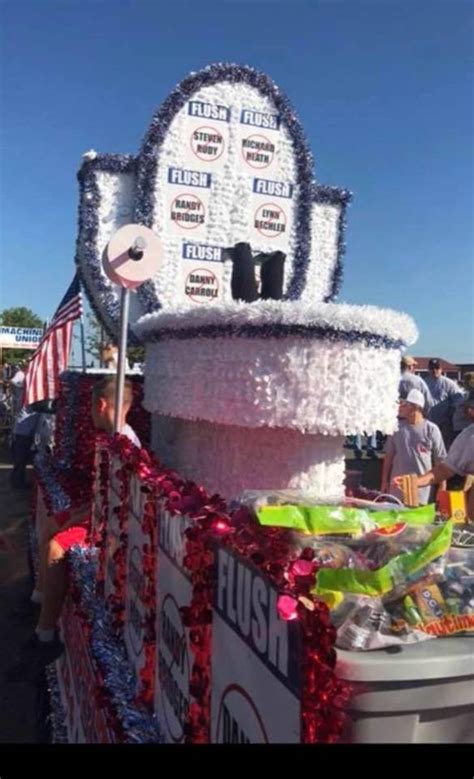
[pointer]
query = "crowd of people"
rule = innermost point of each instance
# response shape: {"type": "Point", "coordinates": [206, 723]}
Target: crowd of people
{"type": "Point", "coordinates": [435, 439]}
{"type": "Point", "coordinates": [26, 427]}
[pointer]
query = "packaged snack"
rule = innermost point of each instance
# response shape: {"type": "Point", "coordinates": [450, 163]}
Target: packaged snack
{"type": "Point", "coordinates": [452, 505]}
{"type": "Point", "coordinates": [429, 602]}
{"type": "Point", "coordinates": [392, 575]}
{"type": "Point", "coordinates": [337, 520]}
{"type": "Point", "coordinates": [412, 614]}
{"type": "Point", "coordinates": [409, 489]}
{"type": "Point", "coordinates": [328, 554]}
{"type": "Point", "coordinates": [370, 626]}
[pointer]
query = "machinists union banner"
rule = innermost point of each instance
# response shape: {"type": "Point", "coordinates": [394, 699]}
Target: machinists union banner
{"type": "Point", "coordinates": [20, 337]}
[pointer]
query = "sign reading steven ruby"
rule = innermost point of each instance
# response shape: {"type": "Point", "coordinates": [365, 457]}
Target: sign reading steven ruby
{"type": "Point", "coordinates": [255, 660]}
{"type": "Point", "coordinates": [174, 659]}
{"type": "Point", "coordinates": [207, 129]}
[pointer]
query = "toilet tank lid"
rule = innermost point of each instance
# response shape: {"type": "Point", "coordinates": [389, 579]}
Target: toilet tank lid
{"type": "Point", "coordinates": [440, 658]}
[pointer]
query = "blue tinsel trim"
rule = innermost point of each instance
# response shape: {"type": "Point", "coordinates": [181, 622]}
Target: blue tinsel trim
{"type": "Point", "coordinates": [57, 715]}
{"type": "Point", "coordinates": [149, 154]}
{"type": "Point", "coordinates": [48, 480]}
{"type": "Point", "coordinates": [109, 652]}
{"type": "Point", "coordinates": [342, 198]}
{"type": "Point", "coordinates": [107, 310]}
{"type": "Point", "coordinates": [276, 331]}
{"type": "Point", "coordinates": [70, 381]}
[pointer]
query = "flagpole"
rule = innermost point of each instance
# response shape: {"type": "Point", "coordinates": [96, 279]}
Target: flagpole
{"type": "Point", "coordinates": [83, 345]}
{"type": "Point", "coordinates": [124, 305]}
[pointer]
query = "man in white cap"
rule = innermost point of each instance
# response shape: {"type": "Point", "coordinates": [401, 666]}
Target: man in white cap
{"type": "Point", "coordinates": [415, 448]}
{"type": "Point", "coordinates": [409, 380]}
{"type": "Point", "coordinates": [460, 460]}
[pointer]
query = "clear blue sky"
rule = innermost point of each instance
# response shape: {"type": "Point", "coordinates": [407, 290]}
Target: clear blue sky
{"type": "Point", "coordinates": [383, 89]}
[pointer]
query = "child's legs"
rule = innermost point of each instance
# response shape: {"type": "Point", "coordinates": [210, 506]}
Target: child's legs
{"type": "Point", "coordinates": [55, 585]}
{"type": "Point", "coordinates": [48, 530]}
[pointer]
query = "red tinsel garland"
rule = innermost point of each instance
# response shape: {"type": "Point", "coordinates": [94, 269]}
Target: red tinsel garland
{"type": "Point", "coordinates": [146, 682]}
{"type": "Point", "coordinates": [324, 696]}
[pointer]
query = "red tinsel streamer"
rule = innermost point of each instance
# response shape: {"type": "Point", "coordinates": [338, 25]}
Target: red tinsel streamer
{"type": "Point", "coordinates": [149, 551]}
{"type": "Point", "coordinates": [116, 599]}
{"type": "Point", "coordinates": [141, 464]}
{"type": "Point", "coordinates": [324, 697]}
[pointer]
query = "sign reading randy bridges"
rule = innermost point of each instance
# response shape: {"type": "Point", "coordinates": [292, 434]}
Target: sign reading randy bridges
{"type": "Point", "coordinates": [174, 659]}
{"type": "Point", "coordinates": [255, 659]}
{"type": "Point", "coordinates": [20, 337]}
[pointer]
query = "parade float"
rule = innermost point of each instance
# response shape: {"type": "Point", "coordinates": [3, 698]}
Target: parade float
{"type": "Point", "coordinates": [227, 581]}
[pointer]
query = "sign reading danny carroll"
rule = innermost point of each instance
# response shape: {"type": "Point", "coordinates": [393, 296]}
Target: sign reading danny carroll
{"type": "Point", "coordinates": [174, 660]}
{"type": "Point", "coordinates": [20, 337]}
{"type": "Point", "coordinates": [255, 659]}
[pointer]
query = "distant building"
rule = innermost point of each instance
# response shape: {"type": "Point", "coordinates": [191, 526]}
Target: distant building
{"type": "Point", "coordinates": [449, 369]}
{"type": "Point", "coordinates": [466, 367]}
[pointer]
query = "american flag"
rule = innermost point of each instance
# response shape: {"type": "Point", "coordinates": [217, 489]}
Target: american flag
{"type": "Point", "coordinates": [52, 355]}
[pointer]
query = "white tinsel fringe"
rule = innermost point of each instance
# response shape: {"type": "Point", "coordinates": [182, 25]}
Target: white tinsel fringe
{"type": "Point", "coordinates": [338, 316]}
{"type": "Point", "coordinates": [293, 383]}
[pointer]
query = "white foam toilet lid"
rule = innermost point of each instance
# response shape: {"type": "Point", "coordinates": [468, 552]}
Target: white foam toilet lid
{"type": "Point", "coordinates": [440, 658]}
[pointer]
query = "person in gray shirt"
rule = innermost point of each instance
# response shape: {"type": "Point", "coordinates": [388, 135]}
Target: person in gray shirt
{"type": "Point", "coordinates": [409, 380]}
{"type": "Point", "coordinates": [441, 387]}
{"type": "Point", "coordinates": [415, 448]}
{"type": "Point", "coordinates": [445, 393]}
{"type": "Point", "coordinates": [461, 418]}
{"type": "Point", "coordinates": [460, 460]}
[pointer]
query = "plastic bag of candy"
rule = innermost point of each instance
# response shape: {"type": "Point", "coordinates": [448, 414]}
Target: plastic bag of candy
{"type": "Point", "coordinates": [366, 623]}
{"type": "Point", "coordinates": [332, 519]}
{"type": "Point", "coordinates": [400, 601]}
